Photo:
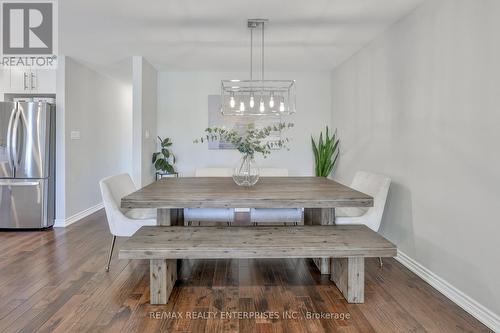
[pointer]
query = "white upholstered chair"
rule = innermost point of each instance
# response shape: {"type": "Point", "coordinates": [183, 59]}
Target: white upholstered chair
{"type": "Point", "coordinates": [122, 222]}
{"type": "Point", "coordinates": [372, 184]}
{"type": "Point", "coordinates": [273, 215]}
{"type": "Point", "coordinates": [210, 214]}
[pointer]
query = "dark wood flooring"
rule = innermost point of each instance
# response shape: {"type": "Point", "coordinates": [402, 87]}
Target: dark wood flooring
{"type": "Point", "coordinates": [54, 281]}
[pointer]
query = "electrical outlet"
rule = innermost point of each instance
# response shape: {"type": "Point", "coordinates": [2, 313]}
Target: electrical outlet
{"type": "Point", "coordinates": [75, 135]}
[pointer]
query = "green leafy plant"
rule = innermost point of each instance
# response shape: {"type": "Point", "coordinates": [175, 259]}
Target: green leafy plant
{"type": "Point", "coordinates": [326, 153]}
{"type": "Point", "coordinates": [251, 141]}
{"type": "Point", "coordinates": [164, 160]}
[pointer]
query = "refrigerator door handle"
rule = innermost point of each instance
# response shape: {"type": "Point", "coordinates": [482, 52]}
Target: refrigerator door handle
{"type": "Point", "coordinates": [10, 139]}
{"type": "Point", "coordinates": [15, 144]}
{"type": "Point", "coordinates": [18, 183]}
{"type": "Point", "coordinates": [19, 129]}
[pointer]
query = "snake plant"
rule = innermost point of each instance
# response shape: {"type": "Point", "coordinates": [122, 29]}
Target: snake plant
{"type": "Point", "coordinates": [326, 153]}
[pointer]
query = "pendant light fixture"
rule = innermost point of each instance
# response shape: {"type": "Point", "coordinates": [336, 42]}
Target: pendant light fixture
{"type": "Point", "coordinates": [263, 97]}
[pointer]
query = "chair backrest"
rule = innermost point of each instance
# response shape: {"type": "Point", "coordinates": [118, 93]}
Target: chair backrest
{"type": "Point", "coordinates": [113, 189]}
{"type": "Point", "coordinates": [273, 172]}
{"type": "Point", "coordinates": [213, 172]}
{"type": "Point", "coordinates": [377, 186]}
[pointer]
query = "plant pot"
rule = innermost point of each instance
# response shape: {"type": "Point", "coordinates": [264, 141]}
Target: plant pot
{"type": "Point", "coordinates": [246, 172]}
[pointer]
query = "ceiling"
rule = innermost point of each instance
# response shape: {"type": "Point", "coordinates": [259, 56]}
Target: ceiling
{"type": "Point", "coordinates": [212, 35]}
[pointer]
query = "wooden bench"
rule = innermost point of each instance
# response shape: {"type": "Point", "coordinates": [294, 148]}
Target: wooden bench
{"type": "Point", "coordinates": [346, 246]}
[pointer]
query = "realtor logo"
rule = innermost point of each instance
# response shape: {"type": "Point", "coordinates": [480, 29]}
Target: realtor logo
{"type": "Point", "coordinates": [27, 28]}
{"type": "Point", "coordinates": [28, 33]}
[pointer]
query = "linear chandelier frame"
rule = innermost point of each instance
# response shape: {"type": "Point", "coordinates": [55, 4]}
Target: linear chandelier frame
{"type": "Point", "coordinates": [257, 97]}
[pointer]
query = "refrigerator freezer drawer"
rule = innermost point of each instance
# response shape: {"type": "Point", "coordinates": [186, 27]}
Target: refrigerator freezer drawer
{"type": "Point", "coordinates": [24, 204]}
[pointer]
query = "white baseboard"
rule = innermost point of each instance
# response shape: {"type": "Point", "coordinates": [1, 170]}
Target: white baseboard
{"type": "Point", "coordinates": [479, 311]}
{"type": "Point", "coordinates": [78, 216]}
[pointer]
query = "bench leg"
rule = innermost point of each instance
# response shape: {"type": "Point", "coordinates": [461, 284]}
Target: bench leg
{"type": "Point", "coordinates": [323, 265]}
{"type": "Point", "coordinates": [348, 274]}
{"type": "Point", "coordinates": [163, 274]}
{"type": "Point", "coordinates": [320, 216]}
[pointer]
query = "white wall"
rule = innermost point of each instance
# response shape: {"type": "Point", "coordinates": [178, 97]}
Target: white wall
{"type": "Point", "coordinates": [100, 108]}
{"type": "Point", "coordinates": [421, 104]}
{"type": "Point", "coordinates": [183, 115]}
{"type": "Point", "coordinates": [60, 186]}
{"type": "Point", "coordinates": [145, 84]}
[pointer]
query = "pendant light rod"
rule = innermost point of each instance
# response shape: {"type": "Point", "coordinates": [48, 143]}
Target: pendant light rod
{"type": "Point", "coordinates": [252, 24]}
{"type": "Point", "coordinates": [262, 53]}
{"type": "Point", "coordinates": [251, 53]}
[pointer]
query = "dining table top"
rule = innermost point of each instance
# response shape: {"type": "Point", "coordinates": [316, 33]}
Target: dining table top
{"type": "Point", "coordinates": [269, 192]}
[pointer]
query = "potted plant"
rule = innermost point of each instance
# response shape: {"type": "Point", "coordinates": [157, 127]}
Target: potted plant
{"type": "Point", "coordinates": [326, 153]}
{"type": "Point", "coordinates": [164, 160]}
{"type": "Point", "coordinates": [251, 141]}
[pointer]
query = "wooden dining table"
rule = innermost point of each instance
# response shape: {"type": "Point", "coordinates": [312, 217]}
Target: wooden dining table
{"type": "Point", "coordinates": [318, 196]}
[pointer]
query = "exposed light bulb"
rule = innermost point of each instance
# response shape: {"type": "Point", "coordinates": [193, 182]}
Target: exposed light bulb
{"type": "Point", "coordinates": [242, 106]}
{"type": "Point", "coordinates": [262, 108]}
{"type": "Point", "coordinates": [232, 102]}
{"type": "Point", "coordinates": [282, 105]}
{"type": "Point", "coordinates": [271, 101]}
{"type": "Point", "coordinates": [252, 101]}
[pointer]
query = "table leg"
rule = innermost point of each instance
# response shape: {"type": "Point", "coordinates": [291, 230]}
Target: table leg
{"type": "Point", "coordinates": [163, 217]}
{"type": "Point", "coordinates": [180, 217]}
{"type": "Point", "coordinates": [327, 216]}
{"type": "Point", "coordinates": [348, 274]}
{"type": "Point", "coordinates": [320, 216]}
{"type": "Point", "coordinates": [163, 274]}
{"type": "Point", "coordinates": [169, 217]}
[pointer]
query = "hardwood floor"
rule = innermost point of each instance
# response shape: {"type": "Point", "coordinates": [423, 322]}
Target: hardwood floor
{"type": "Point", "coordinates": [54, 281]}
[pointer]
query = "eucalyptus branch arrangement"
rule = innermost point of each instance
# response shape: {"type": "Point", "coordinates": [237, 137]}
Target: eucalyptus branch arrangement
{"type": "Point", "coordinates": [164, 160]}
{"type": "Point", "coordinates": [251, 141]}
{"type": "Point", "coordinates": [326, 153]}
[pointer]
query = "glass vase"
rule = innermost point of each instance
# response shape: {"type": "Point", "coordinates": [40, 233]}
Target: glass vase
{"type": "Point", "coordinates": [246, 172]}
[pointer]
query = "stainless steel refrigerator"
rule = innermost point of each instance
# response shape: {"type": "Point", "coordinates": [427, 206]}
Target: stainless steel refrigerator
{"type": "Point", "coordinates": [27, 165]}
